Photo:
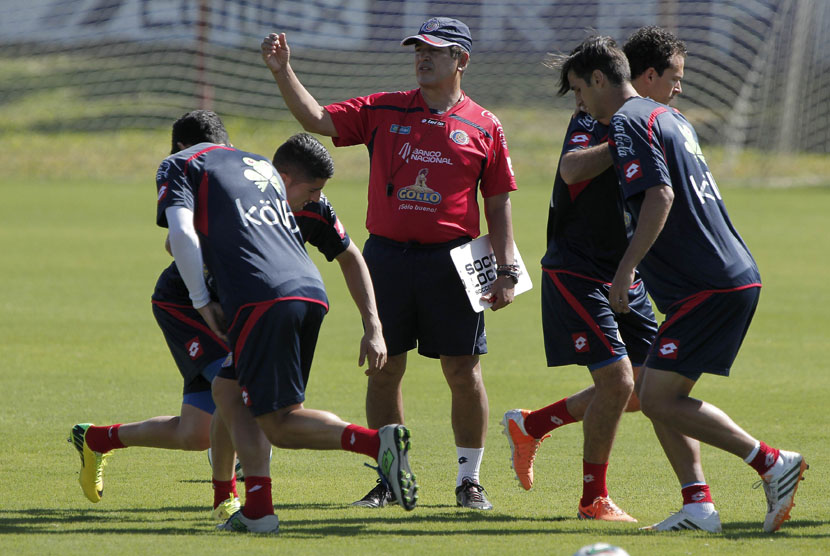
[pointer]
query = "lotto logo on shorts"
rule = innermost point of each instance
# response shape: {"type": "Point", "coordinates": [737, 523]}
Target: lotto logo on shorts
{"type": "Point", "coordinates": [581, 343]}
{"type": "Point", "coordinates": [194, 348]}
{"type": "Point", "coordinates": [668, 348]}
{"type": "Point", "coordinates": [632, 170]}
{"type": "Point", "coordinates": [580, 138]}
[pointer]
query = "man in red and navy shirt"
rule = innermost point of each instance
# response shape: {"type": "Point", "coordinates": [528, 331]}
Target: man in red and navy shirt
{"type": "Point", "coordinates": [432, 151]}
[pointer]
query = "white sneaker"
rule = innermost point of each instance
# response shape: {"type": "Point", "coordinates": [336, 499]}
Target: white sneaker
{"type": "Point", "coordinates": [780, 488]}
{"type": "Point", "coordinates": [226, 509]}
{"type": "Point", "coordinates": [684, 521]}
{"type": "Point", "coordinates": [238, 523]}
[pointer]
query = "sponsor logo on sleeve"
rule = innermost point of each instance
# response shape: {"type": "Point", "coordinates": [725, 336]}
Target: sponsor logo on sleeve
{"type": "Point", "coordinates": [580, 138]}
{"type": "Point", "coordinates": [338, 227]}
{"type": "Point", "coordinates": [164, 168]}
{"type": "Point", "coordinates": [632, 170]}
{"type": "Point", "coordinates": [586, 121]}
{"type": "Point", "coordinates": [163, 191]}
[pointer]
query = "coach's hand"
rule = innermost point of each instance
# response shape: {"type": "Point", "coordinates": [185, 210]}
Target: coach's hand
{"type": "Point", "coordinates": [372, 351]}
{"type": "Point", "coordinates": [215, 318]}
{"type": "Point", "coordinates": [275, 52]}
{"type": "Point", "coordinates": [502, 293]}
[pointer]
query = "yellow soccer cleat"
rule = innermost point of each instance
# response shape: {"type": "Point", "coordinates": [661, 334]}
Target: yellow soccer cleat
{"type": "Point", "coordinates": [92, 463]}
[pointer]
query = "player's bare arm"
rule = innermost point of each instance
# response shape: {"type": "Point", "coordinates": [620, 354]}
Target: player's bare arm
{"type": "Point", "coordinates": [359, 282]}
{"type": "Point", "coordinates": [653, 214]}
{"type": "Point", "coordinates": [585, 164]}
{"type": "Point", "coordinates": [498, 212]}
{"type": "Point", "coordinates": [303, 106]}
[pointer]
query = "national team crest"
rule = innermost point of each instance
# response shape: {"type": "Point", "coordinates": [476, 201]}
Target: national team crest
{"type": "Point", "coordinates": [430, 25]}
{"type": "Point", "coordinates": [460, 137]}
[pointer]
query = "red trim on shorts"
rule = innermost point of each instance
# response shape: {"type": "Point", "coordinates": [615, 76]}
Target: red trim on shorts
{"type": "Point", "coordinates": [173, 310]}
{"type": "Point", "coordinates": [260, 307]}
{"type": "Point", "coordinates": [583, 277]}
{"type": "Point", "coordinates": [689, 303]}
{"type": "Point", "coordinates": [580, 310]}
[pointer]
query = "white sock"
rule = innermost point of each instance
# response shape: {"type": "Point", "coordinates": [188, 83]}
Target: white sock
{"type": "Point", "coordinates": [469, 461]}
{"type": "Point", "coordinates": [699, 509]}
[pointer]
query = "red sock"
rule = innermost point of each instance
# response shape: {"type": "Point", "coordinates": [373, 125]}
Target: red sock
{"type": "Point", "coordinates": [104, 438]}
{"type": "Point", "coordinates": [696, 494]}
{"type": "Point", "coordinates": [257, 497]}
{"type": "Point", "coordinates": [222, 490]}
{"type": "Point", "coordinates": [360, 440]}
{"type": "Point", "coordinates": [542, 421]}
{"type": "Point", "coordinates": [764, 459]}
{"type": "Point", "coordinates": [593, 482]}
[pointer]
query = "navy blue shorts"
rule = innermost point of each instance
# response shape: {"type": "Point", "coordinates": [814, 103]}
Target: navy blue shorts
{"type": "Point", "coordinates": [703, 333]}
{"type": "Point", "coordinates": [197, 351]}
{"type": "Point", "coordinates": [580, 328]}
{"type": "Point", "coordinates": [273, 346]}
{"type": "Point", "coordinates": [421, 299]}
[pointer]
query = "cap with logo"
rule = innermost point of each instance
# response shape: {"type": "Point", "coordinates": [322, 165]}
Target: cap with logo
{"type": "Point", "coordinates": [443, 31]}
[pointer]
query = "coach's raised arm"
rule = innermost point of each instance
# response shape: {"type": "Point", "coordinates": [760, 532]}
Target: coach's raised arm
{"type": "Point", "coordinates": [304, 107]}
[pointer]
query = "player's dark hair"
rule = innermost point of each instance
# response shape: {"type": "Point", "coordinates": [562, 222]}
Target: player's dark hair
{"type": "Point", "coordinates": [199, 126]}
{"type": "Point", "coordinates": [594, 53]}
{"type": "Point", "coordinates": [303, 156]}
{"type": "Point", "coordinates": [652, 47]}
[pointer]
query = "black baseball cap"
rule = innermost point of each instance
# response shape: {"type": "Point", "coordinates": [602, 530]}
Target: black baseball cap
{"type": "Point", "coordinates": [443, 31]}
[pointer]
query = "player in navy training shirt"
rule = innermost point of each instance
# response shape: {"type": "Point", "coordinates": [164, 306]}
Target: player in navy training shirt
{"type": "Point", "coordinates": [586, 239]}
{"type": "Point", "coordinates": [305, 166]}
{"type": "Point", "coordinates": [698, 271]}
{"type": "Point", "coordinates": [433, 151]}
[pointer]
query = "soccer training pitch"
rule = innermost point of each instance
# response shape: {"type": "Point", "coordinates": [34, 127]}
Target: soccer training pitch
{"type": "Point", "coordinates": [80, 256]}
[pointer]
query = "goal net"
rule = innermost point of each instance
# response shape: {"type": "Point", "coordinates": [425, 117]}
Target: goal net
{"type": "Point", "coordinates": [756, 76]}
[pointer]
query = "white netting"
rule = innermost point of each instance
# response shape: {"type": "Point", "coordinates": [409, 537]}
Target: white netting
{"type": "Point", "coordinates": [757, 72]}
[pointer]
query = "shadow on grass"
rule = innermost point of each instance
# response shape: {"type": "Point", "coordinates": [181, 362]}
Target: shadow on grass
{"type": "Point", "coordinates": [438, 520]}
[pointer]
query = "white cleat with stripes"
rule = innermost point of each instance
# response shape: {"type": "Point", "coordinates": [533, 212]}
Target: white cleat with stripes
{"type": "Point", "coordinates": [683, 521]}
{"type": "Point", "coordinates": [780, 487]}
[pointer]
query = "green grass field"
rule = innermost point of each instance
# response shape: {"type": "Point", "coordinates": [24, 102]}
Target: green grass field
{"type": "Point", "coordinates": [80, 256]}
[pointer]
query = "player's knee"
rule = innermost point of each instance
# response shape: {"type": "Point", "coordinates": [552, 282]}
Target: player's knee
{"type": "Point", "coordinates": [633, 403]}
{"type": "Point", "coordinates": [653, 407]}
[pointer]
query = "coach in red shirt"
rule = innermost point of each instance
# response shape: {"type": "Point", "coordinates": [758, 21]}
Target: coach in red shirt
{"type": "Point", "coordinates": [432, 151]}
